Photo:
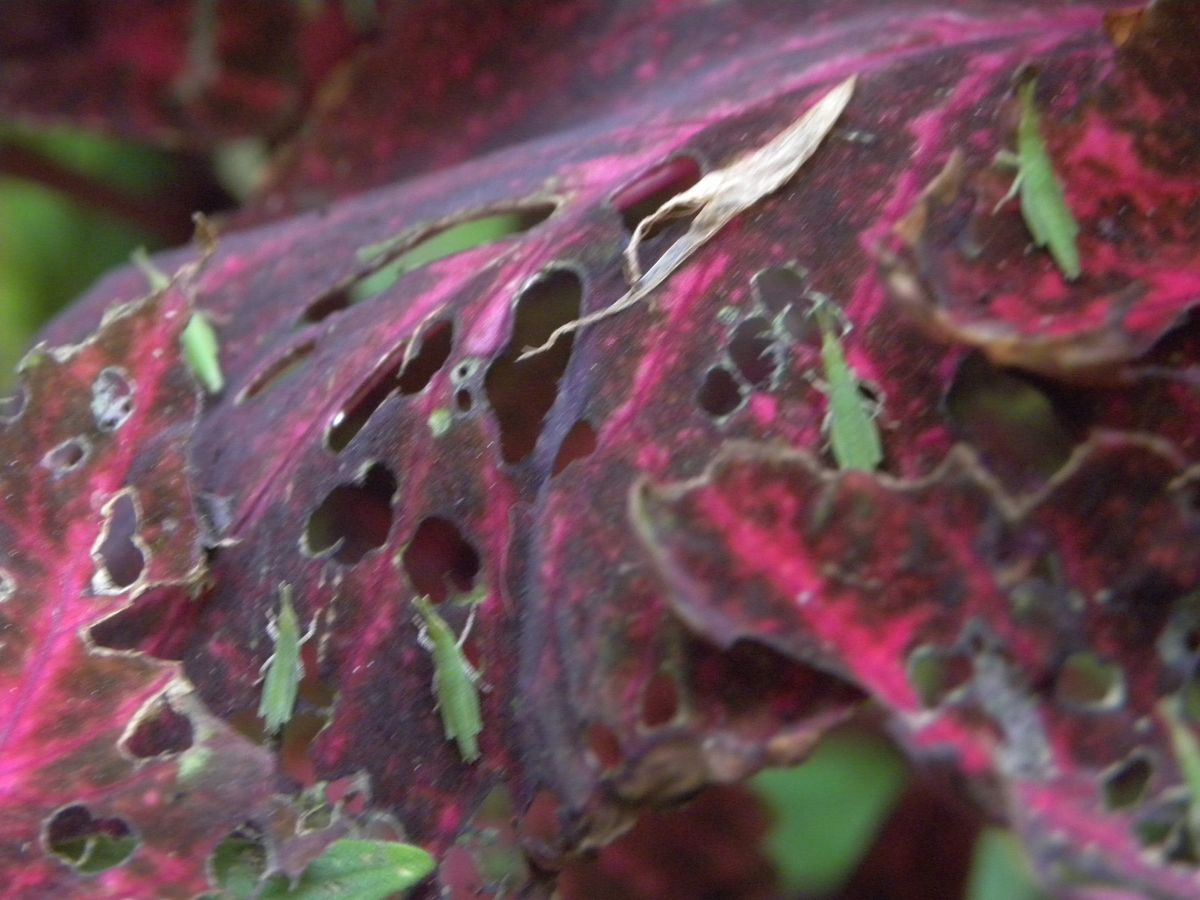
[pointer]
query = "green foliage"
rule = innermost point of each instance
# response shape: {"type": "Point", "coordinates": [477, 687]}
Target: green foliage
{"type": "Point", "coordinates": [95, 852]}
{"type": "Point", "coordinates": [350, 869]}
{"type": "Point", "coordinates": [828, 810]}
{"type": "Point", "coordinates": [1187, 757]}
{"type": "Point", "coordinates": [999, 870]}
{"type": "Point", "coordinates": [455, 239]}
{"type": "Point", "coordinates": [51, 249]}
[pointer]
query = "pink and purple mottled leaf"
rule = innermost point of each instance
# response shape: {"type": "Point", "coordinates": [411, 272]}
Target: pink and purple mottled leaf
{"type": "Point", "coordinates": [673, 585]}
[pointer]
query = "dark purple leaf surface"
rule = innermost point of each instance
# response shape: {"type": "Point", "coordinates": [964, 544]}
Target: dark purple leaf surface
{"type": "Point", "coordinates": [676, 589]}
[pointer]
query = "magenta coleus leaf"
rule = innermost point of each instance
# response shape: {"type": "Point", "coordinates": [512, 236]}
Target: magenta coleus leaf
{"type": "Point", "coordinates": [100, 744]}
{"type": "Point", "coordinates": [672, 585]}
{"type": "Point", "coordinates": [174, 73]}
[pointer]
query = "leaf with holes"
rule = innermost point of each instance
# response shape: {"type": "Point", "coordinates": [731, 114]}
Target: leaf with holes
{"type": "Point", "coordinates": [669, 590]}
{"type": "Point", "coordinates": [89, 735]}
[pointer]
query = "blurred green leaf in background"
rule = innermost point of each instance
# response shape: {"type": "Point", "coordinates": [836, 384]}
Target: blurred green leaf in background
{"type": "Point", "coordinates": [828, 810]}
{"type": "Point", "coordinates": [52, 247]}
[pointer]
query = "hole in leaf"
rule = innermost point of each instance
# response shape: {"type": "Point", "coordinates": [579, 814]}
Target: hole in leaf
{"type": "Point", "coordinates": [119, 555]}
{"type": "Point", "coordinates": [67, 456]}
{"type": "Point", "coordinates": [160, 623]}
{"type": "Point", "coordinates": [1159, 824]}
{"type": "Point", "coordinates": [579, 442]}
{"type": "Point", "coordinates": [660, 700]}
{"type": "Point", "coordinates": [278, 371]}
{"type": "Point", "coordinates": [780, 291]}
{"type": "Point", "coordinates": [1009, 420]}
{"type": "Point", "coordinates": [160, 732]}
{"type": "Point", "coordinates": [112, 399]}
{"type": "Point", "coordinates": [521, 393]}
{"type": "Point", "coordinates": [720, 394]}
{"type": "Point", "coordinates": [315, 698]}
{"type": "Point", "coordinates": [353, 519]}
{"type": "Point", "coordinates": [347, 792]}
{"type": "Point", "coordinates": [436, 344]}
{"type": "Point", "coordinates": [87, 843]}
{"type": "Point", "coordinates": [462, 399]}
{"type": "Point", "coordinates": [752, 351]}
{"type": "Point", "coordinates": [935, 674]}
{"type": "Point", "coordinates": [238, 864]}
{"type": "Point", "coordinates": [326, 306]}
{"type": "Point", "coordinates": [295, 748]}
{"type": "Point", "coordinates": [605, 746]}
{"type": "Point", "coordinates": [494, 857]}
{"type": "Point", "coordinates": [1085, 681]}
{"type": "Point", "coordinates": [1125, 784]}
{"type": "Point", "coordinates": [439, 559]}
{"type": "Point", "coordinates": [405, 378]}
{"type": "Point", "coordinates": [653, 188]}
{"type": "Point", "coordinates": [438, 243]}
{"type": "Point", "coordinates": [540, 822]}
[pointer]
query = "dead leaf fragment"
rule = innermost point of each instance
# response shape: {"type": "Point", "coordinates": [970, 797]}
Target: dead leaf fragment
{"type": "Point", "coordinates": [718, 197]}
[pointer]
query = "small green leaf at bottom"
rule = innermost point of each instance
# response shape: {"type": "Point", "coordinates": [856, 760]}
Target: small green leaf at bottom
{"type": "Point", "coordinates": [347, 870]}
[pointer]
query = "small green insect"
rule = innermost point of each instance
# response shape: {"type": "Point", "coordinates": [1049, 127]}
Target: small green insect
{"type": "Point", "coordinates": [853, 435]}
{"type": "Point", "coordinates": [201, 351]}
{"type": "Point", "coordinates": [284, 668]}
{"type": "Point", "coordinates": [1043, 205]}
{"type": "Point", "coordinates": [455, 681]}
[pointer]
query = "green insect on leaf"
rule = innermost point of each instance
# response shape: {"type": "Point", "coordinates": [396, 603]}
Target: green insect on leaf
{"type": "Point", "coordinates": [853, 435]}
{"type": "Point", "coordinates": [455, 681]}
{"type": "Point", "coordinates": [201, 351]}
{"type": "Point", "coordinates": [285, 668]}
{"type": "Point", "coordinates": [1043, 205]}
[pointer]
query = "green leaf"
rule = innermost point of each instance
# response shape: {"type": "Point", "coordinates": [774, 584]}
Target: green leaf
{"type": "Point", "coordinates": [357, 869]}
{"type": "Point", "coordinates": [96, 852]}
{"type": "Point", "coordinates": [201, 351]}
{"type": "Point", "coordinates": [237, 867]}
{"type": "Point", "coordinates": [828, 810]}
{"type": "Point", "coordinates": [999, 869]}
{"type": "Point", "coordinates": [1187, 756]}
{"type": "Point", "coordinates": [1042, 203]}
